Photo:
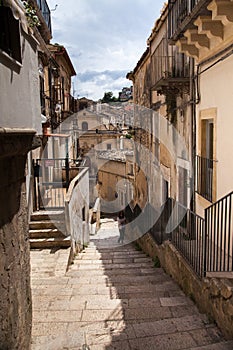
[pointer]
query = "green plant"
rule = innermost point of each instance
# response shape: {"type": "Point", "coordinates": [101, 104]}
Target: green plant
{"type": "Point", "coordinates": [137, 246]}
{"type": "Point", "coordinates": [156, 262]}
{"type": "Point", "coordinates": [210, 319]}
{"type": "Point", "coordinates": [191, 296]}
{"type": "Point", "coordinates": [32, 18]}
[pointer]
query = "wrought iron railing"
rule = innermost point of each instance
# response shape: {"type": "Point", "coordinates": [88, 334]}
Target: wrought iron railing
{"type": "Point", "coordinates": [204, 185]}
{"type": "Point", "coordinates": [45, 11]}
{"type": "Point", "coordinates": [188, 231]}
{"type": "Point", "coordinates": [219, 236]}
{"type": "Point", "coordinates": [51, 181]}
{"type": "Point", "coordinates": [205, 243]}
{"type": "Point", "coordinates": [167, 65]}
{"type": "Point", "coordinates": [179, 10]}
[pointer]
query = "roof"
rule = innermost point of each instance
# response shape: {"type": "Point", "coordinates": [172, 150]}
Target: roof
{"type": "Point", "coordinates": [115, 155]}
{"type": "Point", "coordinates": [60, 50]}
{"type": "Point", "coordinates": [57, 135]}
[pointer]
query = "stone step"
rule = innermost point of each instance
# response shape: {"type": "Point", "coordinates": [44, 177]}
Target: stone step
{"type": "Point", "coordinates": [114, 252]}
{"type": "Point", "coordinates": [115, 307]}
{"type": "Point", "coordinates": [43, 215]}
{"type": "Point", "coordinates": [225, 345]}
{"type": "Point", "coordinates": [45, 243]}
{"type": "Point", "coordinates": [46, 233]}
{"type": "Point", "coordinates": [46, 224]}
{"type": "Point", "coordinates": [113, 266]}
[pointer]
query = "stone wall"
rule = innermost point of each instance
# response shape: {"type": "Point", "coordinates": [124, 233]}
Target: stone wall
{"type": "Point", "coordinates": [212, 296]}
{"type": "Point", "coordinates": [15, 291]}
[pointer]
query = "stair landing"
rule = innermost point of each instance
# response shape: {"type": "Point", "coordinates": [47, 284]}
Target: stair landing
{"type": "Point", "coordinates": [47, 230]}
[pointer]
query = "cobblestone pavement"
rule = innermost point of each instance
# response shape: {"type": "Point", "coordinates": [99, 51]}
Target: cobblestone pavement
{"type": "Point", "coordinates": [113, 297]}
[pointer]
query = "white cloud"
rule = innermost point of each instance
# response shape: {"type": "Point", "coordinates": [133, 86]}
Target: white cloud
{"type": "Point", "coordinates": [101, 36]}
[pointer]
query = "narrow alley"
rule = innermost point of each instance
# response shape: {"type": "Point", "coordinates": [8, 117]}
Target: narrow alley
{"type": "Point", "coordinates": [113, 297]}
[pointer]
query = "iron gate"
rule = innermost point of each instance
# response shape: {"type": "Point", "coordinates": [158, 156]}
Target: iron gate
{"type": "Point", "coordinates": [51, 182]}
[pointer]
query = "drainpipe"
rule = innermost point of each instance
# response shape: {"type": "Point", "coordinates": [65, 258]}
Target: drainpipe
{"type": "Point", "coordinates": [67, 165]}
{"type": "Point", "coordinates": [193, 138]}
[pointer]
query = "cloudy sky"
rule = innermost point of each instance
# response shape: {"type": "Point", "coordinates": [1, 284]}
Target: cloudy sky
{"type": "Point", "coordinates": [104, 38]}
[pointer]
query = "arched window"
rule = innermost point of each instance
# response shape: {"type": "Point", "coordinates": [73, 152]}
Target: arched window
{"type": "Point", "coordinates": [84, 126]}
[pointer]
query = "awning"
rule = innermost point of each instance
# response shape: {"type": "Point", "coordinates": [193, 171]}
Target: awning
{"type": "Point", "coordinates": [18, 11]}
{"type": "Point", "coordinates": [58, 135]}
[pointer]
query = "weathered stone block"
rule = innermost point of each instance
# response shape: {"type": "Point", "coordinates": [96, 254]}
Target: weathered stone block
{"type": "Point", "coordinates": [226, 289]}
{"type": "Point", "coordinates": [15, 291]}
{"type": "Point", "coordinates": [215, 288]}
{"type": "Point", "coordinates": [213, 296]}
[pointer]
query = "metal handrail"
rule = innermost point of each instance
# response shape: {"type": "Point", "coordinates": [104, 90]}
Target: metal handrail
{"type": "Point", "coordinates": [218, 235]}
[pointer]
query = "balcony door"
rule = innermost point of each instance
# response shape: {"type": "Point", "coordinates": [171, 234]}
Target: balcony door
{"type": "Point", "coordinates": [207, 154]}
{"type": "Point", "coordinates": [209, 146]}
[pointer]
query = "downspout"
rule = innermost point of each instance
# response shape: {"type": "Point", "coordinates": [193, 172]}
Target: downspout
{"type": "Point", "coordinates": [194, 132]}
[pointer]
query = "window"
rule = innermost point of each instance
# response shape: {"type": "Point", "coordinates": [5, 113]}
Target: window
{"type": "Point", "coordinates": [131, 172]}
{"type": "Point", "coordinates": [205, 162]}
{"type": "Point", "coordinates": [83, 214]}
{"type": "Point", "coordinates": [9, 34]}
{"type": "Point", "coordinates": [42, 92]}
{"type": "Point", "coordinates": [207, 139]}
{"type": "Point", "coordinates": [165, 190]}
{"type": "Point", "coordinates": [122, 197]}
{"type": "Point", "coordinates": [109, 146]}
{"type": "Point", "coordinates": [206, 165]}
{"type": "Point", "coordinates": [183, 186]}
{"type": "Point", "coordinates": [84, 126]}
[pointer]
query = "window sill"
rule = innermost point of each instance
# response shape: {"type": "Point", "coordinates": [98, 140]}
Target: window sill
{"type": "Point", "coordinates": [10, 59]}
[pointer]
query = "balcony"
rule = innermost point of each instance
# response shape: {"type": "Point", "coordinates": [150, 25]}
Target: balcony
{"type": "Point", "coordinates": [44, 8]}
{"type": "Point", "coordinates": [181, 14]}
{"type": "Point", "coordinates": [170, 70]}
{"type": "Point", "coordinates": [198, 27]}
{"type": "Point", "coordinates": [43, 13]}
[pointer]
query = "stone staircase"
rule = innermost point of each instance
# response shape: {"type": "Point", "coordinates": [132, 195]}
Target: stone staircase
{"type": "Point", "coordinates": [113, 297]}
{"type": "Point", "coordinates": [47, 230]}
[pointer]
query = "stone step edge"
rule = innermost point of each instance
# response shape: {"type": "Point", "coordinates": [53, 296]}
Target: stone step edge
{"type": "Point", "coordinates": [51, 239]}
{"type": "Point", "coordinates": [215, 346]}
{"type": "Point", "coordinates": [47, 221]}
{"type": "Point", "coordinates": [33, 225]}
{"type": "Point", "coordinates": [50, 243]}
{"type": "Point", "coordinates": [48, 212]}
{"type": "Point", "coordinates": [46, 235]}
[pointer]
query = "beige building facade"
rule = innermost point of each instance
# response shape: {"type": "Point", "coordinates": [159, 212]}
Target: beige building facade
{"type": "Point", "coordinates": [161, 85]}
{"type": "Point", "coordinates": [100, 144]}
{"type": "Point", "coordinates": [115, 182]}
{"type": "Point", "coordinates": [208, 39]}
{"type": "Point", "coordinates": [186, 72]}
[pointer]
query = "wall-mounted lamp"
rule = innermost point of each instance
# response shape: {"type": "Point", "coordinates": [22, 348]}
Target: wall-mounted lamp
{"type": "Point", "coordinates": [54, 8]}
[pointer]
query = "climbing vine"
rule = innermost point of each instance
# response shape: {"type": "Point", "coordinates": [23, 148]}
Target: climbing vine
{"type": "Point", "coordinates": [32, 18]}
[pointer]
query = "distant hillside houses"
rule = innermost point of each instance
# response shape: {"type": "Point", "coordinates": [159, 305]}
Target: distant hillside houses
{"type": "Point", "coordinates": [126, 94]}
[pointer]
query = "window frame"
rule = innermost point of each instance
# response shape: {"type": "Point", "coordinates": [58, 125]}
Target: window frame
{"type": "Point", "coordinates": [10, 46]}
{"type": "Point", "coordinates": [207, 117]}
